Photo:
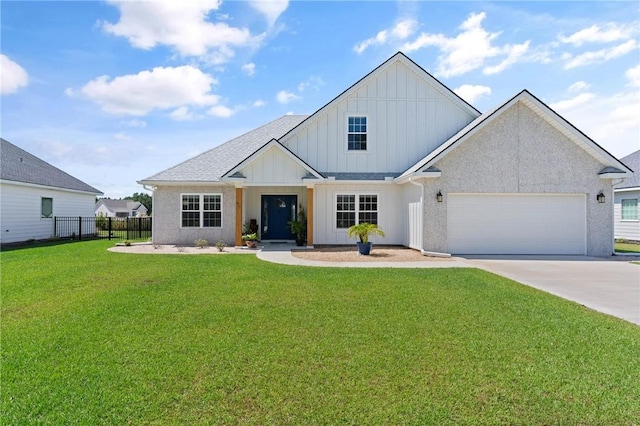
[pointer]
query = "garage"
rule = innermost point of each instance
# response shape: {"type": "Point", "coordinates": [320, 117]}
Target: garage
{"type": "Point", "coordinates": [516, 223]}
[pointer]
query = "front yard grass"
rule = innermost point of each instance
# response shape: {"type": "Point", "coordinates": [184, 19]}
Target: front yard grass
{"type": "Point", "coordinates": [627, 248]}
{"type": "Point", "coordinates": [93, 337]}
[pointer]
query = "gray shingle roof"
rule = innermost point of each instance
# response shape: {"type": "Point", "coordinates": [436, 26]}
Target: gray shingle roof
{"type": "Point", "coordinates": [211, 165]}
{"type": "Point", "coordinates": [120, 205]}
{"type": "Point", "coordinates": [18, 165]}
{"type": "Point", "coordinates": [633, 162]}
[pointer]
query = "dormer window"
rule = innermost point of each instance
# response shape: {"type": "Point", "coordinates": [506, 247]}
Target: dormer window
{"type": "Point", "coordinates": [357, 133]}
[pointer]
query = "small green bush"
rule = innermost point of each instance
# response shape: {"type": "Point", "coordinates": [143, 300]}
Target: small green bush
{"type": "Point", "coordinates": [201, 243]}
{"type": "Point", "coordinates": [220, 245]}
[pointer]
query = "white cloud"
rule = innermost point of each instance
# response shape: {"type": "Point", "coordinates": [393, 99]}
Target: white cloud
{"type": "Point", "coordinates": [160, 88]}
{"type": "Point", "coordinates": [249, 69]}
{"type": "Point", "coordinates": [284, 97]}
{"type": "Point", "coordinates": [633, 75]}
{"type": "Point", "coordinates": [122, 136]}
{"type": "Point", "coordinates": [259, 103]}
{"type": "Point", "coordinates": [595, 34]}
{"type": "Point", "coordinates": [400, 31]}
{"type": "Point", "coordinates": [271, 9]}
{"type": "Point", "coordinates": [312, 82]}
{"type": "Point", "coordinates": [572, 103]}
{"type": "Point", "coordinates": [181, 25]}
{"type": "Point", "coordinates": [471, 93]}
{"type": "Point", "coordinates": [221, 111]}
{"type": "Point", "coordinates": [599, 56]}
{"type": "Point", "coordinates": [135, 123]}
{"type": "Point", "coordinates": [470, 49]}
{"type": "Point", "coordinates": [13, 76]}
{"type": "Point", "coordinates": [578, 86]}
{"type": "Point", "coordinates": [182, 114]}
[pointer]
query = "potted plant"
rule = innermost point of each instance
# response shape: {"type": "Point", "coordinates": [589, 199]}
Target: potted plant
{"type": "Point", "coordinates": [251, 240]}
{"type": "Point", "coordinates": [362, 231]}
{"type": "Point", "coordinates": [299, 226]}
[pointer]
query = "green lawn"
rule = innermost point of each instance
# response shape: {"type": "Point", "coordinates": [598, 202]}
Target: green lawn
{"type": "Point", "coordinates": [627, 248]}
{"type": "Point", "coordinates": [91, 337]}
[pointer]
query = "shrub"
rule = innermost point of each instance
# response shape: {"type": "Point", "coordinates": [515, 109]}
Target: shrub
{"type": "Point", "coordinates": [201, 243]}
{"type": "Point", "coordinates": [220, 245]}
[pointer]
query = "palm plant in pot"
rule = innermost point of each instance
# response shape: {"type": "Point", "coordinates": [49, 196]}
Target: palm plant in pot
{"type": "Point", "coordinates": [362, 231]}
{"type": "Point", "coordinates": [299, 226]}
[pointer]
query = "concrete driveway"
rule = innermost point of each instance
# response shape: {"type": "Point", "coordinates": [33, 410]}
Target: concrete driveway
{"type": "Point", "coordinates": [608, 285]}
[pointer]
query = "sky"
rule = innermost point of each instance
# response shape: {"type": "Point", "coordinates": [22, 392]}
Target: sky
{"type": "Point", "coordinates": [113, 92]}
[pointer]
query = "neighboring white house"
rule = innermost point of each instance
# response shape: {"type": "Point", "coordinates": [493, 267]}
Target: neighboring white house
{"type": "Point", "coordinates": [33, 192]}
{"type": "Point", "coordinates": [400, 149]}
{"type": "Point", "coordinates": [626, 209]}
{"type": "Point", "coordinates": [119, 208]}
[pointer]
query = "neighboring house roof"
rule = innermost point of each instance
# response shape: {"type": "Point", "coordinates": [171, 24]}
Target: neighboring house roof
{"type": "Point", "coordinates": [633, 162]}
{"type": "Point", "coordinates": [120, 205]}
{"type": "Point", "coordinates": [211, 165]}
{"type": "Point", "coordinates": [613, 166]}
{"type": "Point", "coordinates": [17, 165]}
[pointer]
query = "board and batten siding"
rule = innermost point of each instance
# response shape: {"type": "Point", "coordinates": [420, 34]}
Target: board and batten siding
{"type": "Point", "coordinates": [21, 209]}
{"type": "Point", "coordinates": [627, 229]}
{"type": "Point", "coordinates": [407, 118]}
{"type": "Point", "coordinates": [390, 217]}
{"type": "Point", "coordinates": [273, 167]}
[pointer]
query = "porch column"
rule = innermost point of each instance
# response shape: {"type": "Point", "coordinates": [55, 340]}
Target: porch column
{"type": "Point", "coordinates": [310, 216]}
{"type": "Point", "coordinates": [238, 216]}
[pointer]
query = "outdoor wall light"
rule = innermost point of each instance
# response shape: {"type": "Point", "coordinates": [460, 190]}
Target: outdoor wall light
{"type": "Point", "coordinates": [600, 197]}
{"type": "Point", "coordinates": [439, 197]}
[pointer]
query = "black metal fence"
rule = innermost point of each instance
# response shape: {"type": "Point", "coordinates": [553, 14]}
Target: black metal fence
{"type": "Point", "coordinates": [100, 227]}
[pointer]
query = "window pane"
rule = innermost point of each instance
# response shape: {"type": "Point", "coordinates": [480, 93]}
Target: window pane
{"type": "Point", "coordinates": [191, 202]}
{"type": "Point", "coordinates": [357, 134]}
{"type": "Point", "coordinates": [212, 202]}
{"type": "Point", "coordinates": [46, 208]}
{"type": "Point", "coordinates": [212, 219]}
{"type": "Point", "coordinates": [630, 209]}
{"type": "Point", "coordinates": [345, 219]}
{"type": "Point", "coordinates": [191, 219]}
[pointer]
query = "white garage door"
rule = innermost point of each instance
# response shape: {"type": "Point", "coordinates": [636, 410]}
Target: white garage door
{"type": "Point", "coordinates": [516, 224]}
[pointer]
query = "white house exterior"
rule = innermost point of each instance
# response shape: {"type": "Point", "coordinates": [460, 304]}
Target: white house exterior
{"type": "Point", "coordinates": [626, 209]}
{"type": "Point", "coordinates": [33, 192]}
{"type": "Point", "coordinates": [518, 179]}
{"type": "Point", "coordinates": [119, 208]}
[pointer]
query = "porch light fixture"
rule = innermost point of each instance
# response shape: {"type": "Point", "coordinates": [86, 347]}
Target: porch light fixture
{"type": "Point", "coordinates": [600, 197]}
{"type": "Point", "coordinates": [439, 197]}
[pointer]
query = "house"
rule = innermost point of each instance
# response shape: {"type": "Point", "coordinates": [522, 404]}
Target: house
{"type": "Point", "coordinates": [33, 193]}
{"type": "Point", "coordinates": [626, 211]}
{"type": "Point", "coordinates": [400, 149]}
{"type": "Point", "coordinates": [119, 208]}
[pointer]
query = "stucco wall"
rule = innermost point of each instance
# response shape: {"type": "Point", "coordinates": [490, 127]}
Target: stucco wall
{"type": "Point", "coordinates": [167, 216]}
{"type": "Point", "coordinates": [519, 152]}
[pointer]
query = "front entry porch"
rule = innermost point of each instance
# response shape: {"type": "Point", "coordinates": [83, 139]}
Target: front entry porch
{"type": "Point", "coordinates": [270, 209]}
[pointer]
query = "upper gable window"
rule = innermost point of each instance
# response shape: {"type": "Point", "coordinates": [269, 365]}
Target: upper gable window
{"type": "Point", "coordinates": [357, 133]}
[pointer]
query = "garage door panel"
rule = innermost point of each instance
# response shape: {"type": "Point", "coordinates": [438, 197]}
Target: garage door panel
{"type": "Point", "coordinates": [516, 224]}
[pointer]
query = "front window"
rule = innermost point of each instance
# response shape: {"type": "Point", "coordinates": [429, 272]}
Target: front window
{"type": "Point", "coordinates": [46, 208]}
{"type": "Point", "coordinates": [201, 210]}
{"type": "Point", "coordinates": [349, 212]}
{"type": "Point", "coordinates": [357, 134]}
{"type": "Point", "coordinates": [630, 209]}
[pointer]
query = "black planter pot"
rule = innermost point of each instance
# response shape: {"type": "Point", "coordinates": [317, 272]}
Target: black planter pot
{"type": "Point", "coordinates": [299, 242]}
{"type": "Point", "coordinates": [364, 248]}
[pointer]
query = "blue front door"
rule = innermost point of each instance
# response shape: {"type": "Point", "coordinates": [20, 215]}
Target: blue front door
{"type": "Point", "coordinates": [277, 210]}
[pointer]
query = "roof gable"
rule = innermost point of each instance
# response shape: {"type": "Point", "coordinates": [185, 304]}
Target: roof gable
{"type": "Point", "coordinates": [18, 165]}
{"type": "Point", "coordinates": [211, 165]}
{"type": "Point", "coordinates": [542, 110]}
{"type": "Point", "coordinates": [399, 57]}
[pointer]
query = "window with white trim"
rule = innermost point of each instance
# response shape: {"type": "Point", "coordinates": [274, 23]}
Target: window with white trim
{"type": "Point", "coordinates": [357, 133]}
{"type": "Point", "coordinates": [46, 208]}
{"type": "Point", "coordinates": [630, 209]}
{"type": "Point", "coordinates": [201, 211]}
{"type": "Point", "coordinates": [356, 208]}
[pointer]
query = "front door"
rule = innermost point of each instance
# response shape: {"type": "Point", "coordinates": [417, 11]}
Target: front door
{"type": "Point", "coordinates": [277, 210]}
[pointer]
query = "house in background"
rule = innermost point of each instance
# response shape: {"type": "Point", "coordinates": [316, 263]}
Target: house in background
{"type": "Point", "coordinates": [401, 150]}
{"type": "Point", "coordinates": [119, 208]}
{"type": "Point", "coordinates": [33, 192]}
{"type": "Point", "coordinates": [626, 211]}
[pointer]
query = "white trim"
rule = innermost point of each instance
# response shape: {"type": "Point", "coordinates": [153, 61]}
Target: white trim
{"type": "Point", "coordinates": [57, 188]}
{"type": "Point", "coordinates": [201, 210]}
{"type": "Point", "coordinates": [635, 188]}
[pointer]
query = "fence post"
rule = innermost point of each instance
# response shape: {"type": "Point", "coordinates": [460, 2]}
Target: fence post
{"type": "Point", "coordinates": [79, 228]}
{"type": "Point", "coordinates": [109, 228]}
{"type": "Point", "coordinates": [139, 227]}
{"type": "Point", "coordinates": [55, 226]}
{"type": "Point", "coordinates": [127, 222]}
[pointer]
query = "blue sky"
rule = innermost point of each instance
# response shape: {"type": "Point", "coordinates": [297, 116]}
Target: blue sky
{"type": "Point", "coordinates": [113, 92]}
